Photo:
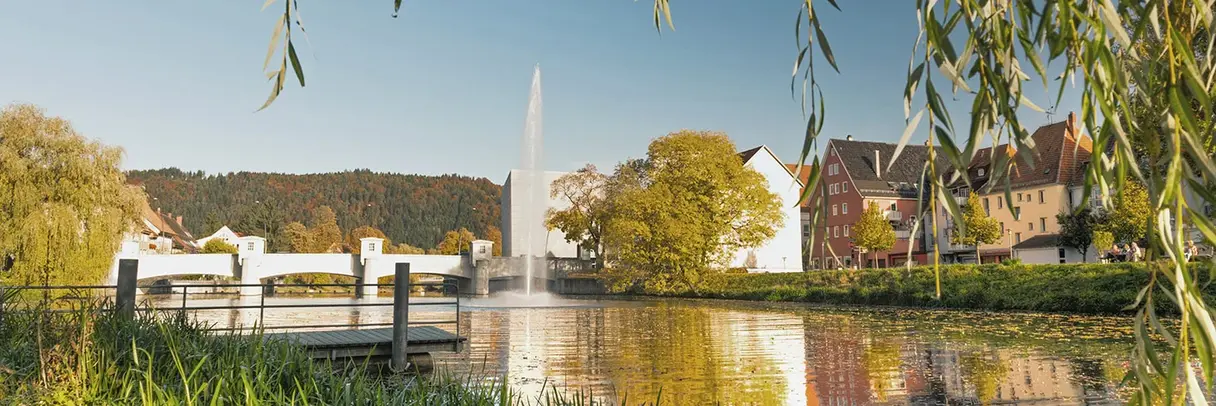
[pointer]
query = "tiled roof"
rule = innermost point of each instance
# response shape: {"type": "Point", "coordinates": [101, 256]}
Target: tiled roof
{"type": "Point", "coordinates": [901, 180]}
{"type": "Point", "coordinates": [1059, 157]}
{"type": "Point", "coordinates": [1039, 241]}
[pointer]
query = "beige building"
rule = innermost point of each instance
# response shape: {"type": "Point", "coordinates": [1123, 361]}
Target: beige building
{"type": "Point", "coordinates": [1038, 194]}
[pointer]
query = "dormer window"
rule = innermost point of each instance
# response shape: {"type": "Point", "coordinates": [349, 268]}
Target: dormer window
{"type": "Point", "coordinates": [981, 172]}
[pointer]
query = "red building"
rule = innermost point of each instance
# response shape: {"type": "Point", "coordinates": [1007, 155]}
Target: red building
{"type": "Point", "coordinates": [855, 174]}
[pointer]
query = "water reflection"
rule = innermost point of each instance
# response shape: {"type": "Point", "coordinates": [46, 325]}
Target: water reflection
{"type": "Point", "coordinates": [699, 352]}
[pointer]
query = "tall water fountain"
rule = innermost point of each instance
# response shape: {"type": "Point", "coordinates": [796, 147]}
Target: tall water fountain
{"type": "Point", "coordinates": [536, 198]}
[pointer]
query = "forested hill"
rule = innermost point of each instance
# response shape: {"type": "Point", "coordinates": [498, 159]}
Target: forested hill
{"type": "Point", "coordinates": [415, 209]}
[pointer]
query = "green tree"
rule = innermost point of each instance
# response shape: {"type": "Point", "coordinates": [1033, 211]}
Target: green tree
{"type": "Point", "coordinates": [455, 242]}
{"type": "Point", "coordinates": [873, 233]}
{"type": "Point", "coordinates": [211, 224]}
{"type": "Point", "coordinates": [583, 221]}
{"type": "Point", "coordinates": [65, 203]}
{"type": "Point", "coordinates": [356, 246]}
{"type": "Point", "coordinates": [688, 211]}
{"type": "Point", "coordinates": [1077, 230]}
{"type": "Point", "coordinates": [980, 228]}
{"type": "Point", "coordinates": [263, 219]}
{"type": "Point", "coordinates": [1103, 240]}
{"type": "Point", "coordinates": [1127, 219]}
{"type": "Point", "coordinates": [218, 246]}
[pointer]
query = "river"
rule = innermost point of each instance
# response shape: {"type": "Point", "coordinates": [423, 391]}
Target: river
{"type": "Point", "coordinates": [700, 351]}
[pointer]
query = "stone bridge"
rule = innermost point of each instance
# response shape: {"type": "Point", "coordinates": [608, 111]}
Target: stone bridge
{"type": "Point", "coordinates": [252, 265]}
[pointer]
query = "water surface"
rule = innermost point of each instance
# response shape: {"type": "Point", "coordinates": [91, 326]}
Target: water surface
{"type": "Point", "coordinates": [700, 351]}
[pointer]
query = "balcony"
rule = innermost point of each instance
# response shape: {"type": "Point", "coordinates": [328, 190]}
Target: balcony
{"type": "Point", "coordinates": [903, 234]}
{"type": "Point", "coordinates": [895, 216]}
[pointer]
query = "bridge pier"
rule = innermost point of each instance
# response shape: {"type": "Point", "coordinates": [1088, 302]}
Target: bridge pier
{"type": "Point", "coordinates": [481, 278]}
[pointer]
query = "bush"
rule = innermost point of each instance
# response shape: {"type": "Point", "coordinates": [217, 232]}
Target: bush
{"type": "Point", "coordinates": [1079, 288]}
{"type": "Point", "coordinates": [218, 246]}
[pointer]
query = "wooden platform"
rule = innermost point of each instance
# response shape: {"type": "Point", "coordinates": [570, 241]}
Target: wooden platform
{"type": "Point", "coordinates": [374, 343]}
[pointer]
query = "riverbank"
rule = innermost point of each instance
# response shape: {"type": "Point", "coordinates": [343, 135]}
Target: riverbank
{"type": "Point", "coordinates": [1066, 288]}
{"type": "Point", "coordinates": [91, 357]}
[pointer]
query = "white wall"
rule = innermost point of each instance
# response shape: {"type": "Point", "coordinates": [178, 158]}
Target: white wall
{"type": "Point", "coordinates": [514, 211]}
{"type": "Point", "coordinates": [271, 265]}
{"type": "Point", "coordinates": [1051, 255]}
{"type": "Point", "coordinates": [162, 266]}
{"type": "Point", "coordinates": [784, 252]}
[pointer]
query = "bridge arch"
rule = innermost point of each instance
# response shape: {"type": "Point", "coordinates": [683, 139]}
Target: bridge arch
{"type": "Point", "coordinates": [275, 265]}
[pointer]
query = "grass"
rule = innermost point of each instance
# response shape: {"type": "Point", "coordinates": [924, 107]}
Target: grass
{"type": "Point", "coordinates": [90, 357]}
{"type": "Point", "coordinates": [1072, 288]}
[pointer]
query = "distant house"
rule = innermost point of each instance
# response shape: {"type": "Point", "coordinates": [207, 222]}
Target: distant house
{"type": "Point", "coordinates": [224, 234]}
{"type": "Point", "coordinates": [856, 174]}
{"type": "Point", "coordinates": [162, 233]}
{"type": "Point", "coordinates": [1037, 194]}
{"type": "Point", "coordinates": [783, 253]}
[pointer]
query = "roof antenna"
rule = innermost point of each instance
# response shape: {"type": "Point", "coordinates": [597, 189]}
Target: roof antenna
{"type": "Point", "coordinates": [1051, 112]}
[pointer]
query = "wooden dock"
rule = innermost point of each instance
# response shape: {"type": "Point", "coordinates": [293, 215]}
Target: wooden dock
{"type": "Point", "coordinates": [376, 344]}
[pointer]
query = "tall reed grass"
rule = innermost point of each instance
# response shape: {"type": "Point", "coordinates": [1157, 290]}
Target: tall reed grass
{"type": "Point", "coordinates": [90, 356]}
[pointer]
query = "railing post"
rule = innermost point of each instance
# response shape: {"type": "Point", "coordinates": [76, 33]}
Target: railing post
{"type": "Point", "coordinates": [128, 274]}
{"type": "Point", "coordinates": [401, 315]}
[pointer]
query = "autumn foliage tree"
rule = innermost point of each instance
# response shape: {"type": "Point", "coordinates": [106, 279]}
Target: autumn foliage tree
{"type": "Point", "coordinates": [583, 221]}
{"type": "Point", "coordinates": [873, 233]}
{"type": "Point", "coordinates": [66, 204]}
{"type": "Point", "coordinates": [684, 211]}
{"type": "Point", "coordinates": [218, 246]}
{"type": "Point", "coordinates": [979, 227]}
{"type": "Point", "coordinates": [354, 239]}
{"type": "Point", "coordinates": [455, 242]}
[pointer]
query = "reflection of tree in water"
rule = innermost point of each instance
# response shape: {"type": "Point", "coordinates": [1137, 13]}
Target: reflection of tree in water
{"type": "Point", "coordinates": [984, 371]}
{"type": "Point", "coordinates": [690, 352]}
{"type": "Point", "coordinates": [882, 365]}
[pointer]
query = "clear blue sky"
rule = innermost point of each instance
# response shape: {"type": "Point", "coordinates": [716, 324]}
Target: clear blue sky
{"type": "Point", "coordinates": [443, 88]}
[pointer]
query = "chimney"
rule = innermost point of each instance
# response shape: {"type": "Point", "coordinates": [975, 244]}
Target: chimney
{"type": "Point", "coordinates": [1071, 124]}
{"type": "Point", "coordinates": [877, 170]}
{"type": "Point", "coordinates": [849, 137]}
{"type": "Point", "coordinates": [179, 220]}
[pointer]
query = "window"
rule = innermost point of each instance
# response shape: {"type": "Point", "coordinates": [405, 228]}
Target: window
{"type": "Point", "coordinates": [981, 173]}
{"type": "Point", "coordinates": [482, 249]}
{"type": "Point", "coordinates": [832, 189]}
{"type": "Point", "coordinates": [846, 230]}
{"type": "Point", "coordinates": [844, 187]}
{"type": "Point", "coordinates": [833, 210]}
{"type": "Point", "coordinates": [985, 205]}
{"type": "Point", "coordinates": [1042, 223]}
{"type": "Point", "coordinates": [1041, 200]}
{"type": "Point", "coordinates": [1003, 230]}
{"type": "Point", "coordinates": [1062, 256]}
{"type": "Point", "coordinates": [1019, 197]}
{"type": "Point", "coordinates": [1031, 224]}
{"type": "Point", "coordinates": [844, 209]}
{"type": "Point", "coordinates": [1000, 202]}
{"type": "Point", "coordinates": [1017, 213]}
{"type": "Point", "coordinates": [371, 247]}
{"type": "Point", "coordinates": [893, 207]}
{"type": "Point", "coordinates": [1017, 237]}
{"type": "Point", "coordinates": [835, 231]}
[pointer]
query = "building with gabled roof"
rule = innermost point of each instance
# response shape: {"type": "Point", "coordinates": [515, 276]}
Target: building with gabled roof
{"type": "Point", "coordinates": [854, 175]}
{"type": "Point", "coordinates": [1039, 191]}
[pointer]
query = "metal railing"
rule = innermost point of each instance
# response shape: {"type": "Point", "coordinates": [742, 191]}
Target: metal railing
{"type": "Point", "coordinates": [124, 302]}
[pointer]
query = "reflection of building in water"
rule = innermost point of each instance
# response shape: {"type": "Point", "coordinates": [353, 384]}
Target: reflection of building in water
{"type": "Point", "coordinates": [834, 368]}
{"type": "Point", "coordinates": [983, 376]}
{"type": "Point", "coordinates": [772, 354]}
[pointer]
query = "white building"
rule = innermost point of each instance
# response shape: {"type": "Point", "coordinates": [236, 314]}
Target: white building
{"type": "Point", "coordinates": [781, 254]}
{"type": "Point", "coordinates": [515, 213]}
{"type": "Point", "coordinates": [225, 234]}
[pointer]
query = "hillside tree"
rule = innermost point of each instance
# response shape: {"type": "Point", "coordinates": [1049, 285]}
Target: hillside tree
{"type": "Point", "coordinates": [354, 237]}
{"type": "Point", "coordinates": [455, 242]}
{"type": "Point", "coordinates": [65, 203]}
{"type": "Point", "coordinates": [873, 233]}
{"type": "Point", "coordinates": [218, 246]}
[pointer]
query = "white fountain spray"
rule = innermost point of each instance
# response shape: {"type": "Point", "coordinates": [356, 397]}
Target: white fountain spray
{"type": "Point", "coordinates": [535, 200]}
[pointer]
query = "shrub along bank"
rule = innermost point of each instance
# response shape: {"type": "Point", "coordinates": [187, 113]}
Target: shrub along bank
{"type": "Point", "coordinates": [1078, 288]}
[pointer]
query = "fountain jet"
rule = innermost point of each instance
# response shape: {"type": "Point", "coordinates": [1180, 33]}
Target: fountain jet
{"type": "Point", "coordinates": [536, 199]}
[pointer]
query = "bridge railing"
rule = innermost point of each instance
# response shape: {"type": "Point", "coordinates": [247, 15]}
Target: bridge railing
{"type": "Point", "coordinates": [121, 298]}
